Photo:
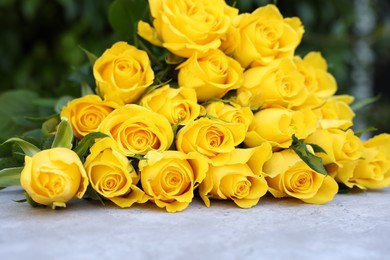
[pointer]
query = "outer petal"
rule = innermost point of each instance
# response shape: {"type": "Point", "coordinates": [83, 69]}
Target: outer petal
{"type": "Point", "coordinates": [135, 196]}
{"type": "Point", "coordinates": [326, 192]}
{"type": "Point", "coordinates": [148, 33]}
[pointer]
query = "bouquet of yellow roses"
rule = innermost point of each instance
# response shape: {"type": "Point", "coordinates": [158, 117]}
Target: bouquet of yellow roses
{"type": "Point", "coordinates": [229, 112]}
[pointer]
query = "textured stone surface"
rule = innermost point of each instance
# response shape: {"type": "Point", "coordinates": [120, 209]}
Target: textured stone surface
{"type": "Point", "coordinates": [352, 226]}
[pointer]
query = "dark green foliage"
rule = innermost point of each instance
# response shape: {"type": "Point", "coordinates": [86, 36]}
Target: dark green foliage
{"type": "Point", "coordinates": [313, 161]}
{"type": "Point", "coordinates": [41, 42]}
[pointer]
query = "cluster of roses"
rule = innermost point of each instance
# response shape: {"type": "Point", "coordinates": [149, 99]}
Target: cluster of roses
{"type": "Point", "coordinates": [225, 126]}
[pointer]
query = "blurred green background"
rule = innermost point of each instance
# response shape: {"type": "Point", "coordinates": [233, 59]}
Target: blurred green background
{"type": "Point", "coordinates": [41, 40]}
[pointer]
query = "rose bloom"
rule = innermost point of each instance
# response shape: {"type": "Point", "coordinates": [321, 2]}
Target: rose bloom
{"type": "Point", "coordinates": [178, 105]}
{"type": "Point", "coordinates": [279, 84]}
{"type": "Point", "coordinates": [336, 113]}
{"type": "Point", "coordinates": [231, 113]}
{"type": "Point", "coordinates": [170, 177]}
{"type": "Point", "coordinates": [343, 174]}
{"type": "Point", "coordinates": [340, 146]}
{"type": "Point", "coordinates": [266, 36]}
{"type": "Point", "coordinates": [289, 176]}
{"type": "Point", "coordinates": [277, 125]}
{"type": "Point", "coordinates": [54, 176]}
{"type": "Point", "coordinates": [211, 76]}
{"type": "Point", "coordinates": [231, 41]}
{"type": "Point", "coordinates": [212, 138]}
{"type": "Point", "coordinates": [187, 26]}
{"type": "Point", "coordinates": [241, 179]}
{"type": "Point", "coordinates": [137, 130]}
{"type": "Point", "coordinates": [86, 113]}
{"type": "Point", "coordinates": [122, 73]}
{"type": "Point", "coordinates": [111, 175]}
{"type": "Point", "coordinates": [320, 84]}
{"type": "Point", "coordinates": [372, 171]}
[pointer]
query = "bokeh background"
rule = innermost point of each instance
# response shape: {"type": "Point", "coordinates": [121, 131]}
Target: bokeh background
{"type": "Point", "coordinates": [41, 45]}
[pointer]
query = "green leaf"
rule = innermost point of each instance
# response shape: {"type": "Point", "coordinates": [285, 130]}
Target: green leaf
{"type": "Point", "coordinates": [50, 125]}
{"type": "Point", "coordinates": [157, 86]}
{"type": "Point", "coordinates": [49, 128]}
{"type": "Point", "coordinates": [6, 149]}
{"type": "Point", "coordinates": [90, 193]}
{"type": "Point", "coordinates": [33, 136]}
{"type": "Point", "coordinates": [15, 107]}
{"type": "Point", "coordinates": [47, 142]}
{"type": "Point", "coordinates": [62, 102]}
{"type": "Point", "coordinates": [28, 148]}
{"type": "Point", "coordinates": [361, 132]}
{"type": "Point", "coordinates": [21, 200]}
{"type": "Point", "coordinates": [138, 157]}
{"type": "Point", "coordinates": [317, 148]}
{"type": "Point", "coordinates": [32, 202]}
{"type": "Point", "coordinates": [37, 119]}
{"type": "Point", "coordinates": [86, 89]}
{"type": "Point", "coordinates": [45, 102]}
{"type": "Point", "coordinates": [343, 189]}
{"type": "Point", "coordinates": [91, 57]}
{"type": "Point", "coordinates": [364, 102]}
{"type": "Point", "coordinates": [10, 177]}
{"type": "Point", "coordinates": [313, 161]}
{"type": "Point", "coordinates": [212, 100]}
{"type": "Point", "coordinates": [64, 135]}
{"type": "Point", "coordinates": [123, 16]}
{"type": "Point", "coordinates": [83, 146]}
{"type": "Point", "coordinates": [9, 162]}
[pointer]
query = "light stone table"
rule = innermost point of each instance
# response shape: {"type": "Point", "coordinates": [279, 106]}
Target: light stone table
{"type": "Point", "coordinates": [352, 226]}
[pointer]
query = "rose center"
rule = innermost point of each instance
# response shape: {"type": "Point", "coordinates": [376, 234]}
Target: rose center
{"type": "Point", "coordinates": [328, 113]}
{"type": "Point", "coordinates": [53, 183]}
{"type": "Point", "coordinates": [123, 66]}
{"type": "Point", "coordinates": [215, 138]}
{"type": "Point", "coordinates": [91, 120]}
{"type": "Point", "coordinates": [350, 147]}
{"type": "Point", "coordinates": [242, 189]}
{"type": "Point", "coordinates": [174, 182]}
{"type": "Point", "coordinates": [181, 113]}
{"type": "Point", "coordinates": [140, 140]}
{"type": "Point", "coordinates": [110, 183]}
{"type": "Point", "coordinates": [267, 35]}
{"type": "Point", "coordinates": [301, 182]}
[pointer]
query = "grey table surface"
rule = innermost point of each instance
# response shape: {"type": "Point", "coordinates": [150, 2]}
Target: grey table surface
{"type": "Point", "coordinates": [352, 226]}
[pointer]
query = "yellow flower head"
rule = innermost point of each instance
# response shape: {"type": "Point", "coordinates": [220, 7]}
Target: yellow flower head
{"type": "Point", "coordinates": [54, 176]}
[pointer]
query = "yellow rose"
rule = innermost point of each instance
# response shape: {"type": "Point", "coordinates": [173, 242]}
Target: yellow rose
{"type": "Point", "coordinates": [240, 179]}
{"type": "Point", "coordinates": [231, 113]}
{"type": "Point", "coordinates": [86, 113]}
{"type": "Point", "coordinates": [231, 41]}
{"type": "Point", "coordinates": [178, 105]}
{"type": "Point", "coordinates": [137, 130]}
{"type": "Point", "coordinates": [170, 177]}
{"type": "Point", "coordinates": [372, 171]}
{"type": "Point", "coordinates": [336, 113]}
{"type": "Point", "coordinates": [54, 176]}
{"type": "Point", "coordinates": [320, 84]}
{"type": "Point", "coordinates": [111, 175]}
{"type": "Point", "coordinates": [279, 84]}
{"type": "Point", "coordinates": [343, 174]}
{"type": "Point", "coordinates": [211, 76]}
{"type": "Point", "coordinates": [212, 138]}
{"type": "Point", "coordinates": [122, 73]}
{"type": "Point", "coordinates": [185, 27]}
{"type": "Point", "coordinates": [289, 176]}
{"type": "Point", "coordinates": [277, 125]}
{"type": "Point", "coordinates": [340, 146]}
{"type": "Point", "coordinates": [246, 98]}
{"type": "Point", "coordinates": [266, 36]}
